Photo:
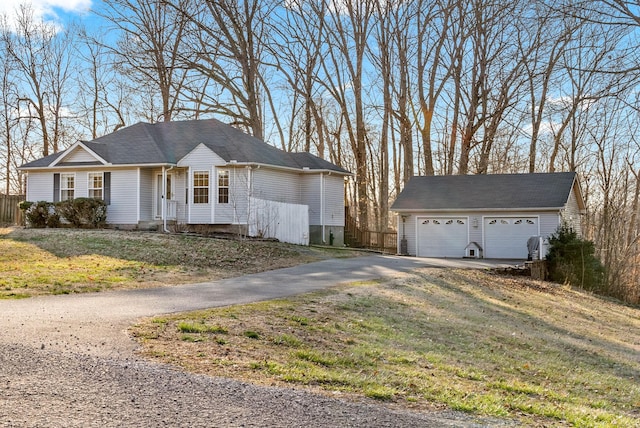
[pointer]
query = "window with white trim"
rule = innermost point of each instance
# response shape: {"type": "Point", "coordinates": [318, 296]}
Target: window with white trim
{"type": "Point", "coordinates": [95, 186]}
{"type": "Point", "coordinates": [223, 186]}
{"type": "Point", "coordinates": [201, 187]}
{"type": "Point", "coordinates": [67, 186]}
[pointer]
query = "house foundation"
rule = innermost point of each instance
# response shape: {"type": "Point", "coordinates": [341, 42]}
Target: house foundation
{"type": "Point", "coordinates": [333, 235]}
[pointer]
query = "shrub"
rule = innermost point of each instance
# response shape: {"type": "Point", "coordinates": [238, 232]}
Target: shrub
{"type": "Point", "coordinates": [572, 261]}
{"type": "Point", "coordinates": [83, 212]}
{"type": "Point", "coordinates": [40, 214]}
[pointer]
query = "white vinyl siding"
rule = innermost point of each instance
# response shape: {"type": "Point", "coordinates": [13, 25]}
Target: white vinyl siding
{"type": "Point", "coordinates": [332, 187]}
{"type": "Point", "coordinates": [571, 215]}
{"type": "Point", "coordinates": [549, 223]}
{"type": "Point", "coordinates": [310, 196]}
{"type": "Point", "coordinates": [236, 211]}
{"type": "Point", "coordinates": [334, 200]}
{"type": "Point", "coordinates": [408, 230]}
{"type": "Point", "coordinates": [124, 197]}
{"type": "Point", "coordinates": [180, 178]}
{"type": "Point", "coordinates": [39, 186]}
{"type": "Point", "coordinates": [274, 185]}
{"type": "Point", "coordinates": [78, 155]}
{"type": "Point", "coordinates": [146, 194]}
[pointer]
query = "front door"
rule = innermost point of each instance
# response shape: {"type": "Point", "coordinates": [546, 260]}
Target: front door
{"type": "Point", "coordinates": [159, 192]}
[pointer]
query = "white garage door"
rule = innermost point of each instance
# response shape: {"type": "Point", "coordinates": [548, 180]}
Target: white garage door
{"type": "Point", "coordinates": [442, 236]}
{"type": "Point", "coordinates": [506, 237]}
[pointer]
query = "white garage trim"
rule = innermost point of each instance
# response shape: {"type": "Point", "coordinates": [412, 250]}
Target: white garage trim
{"type": "Point", "coordinates": [441, 236]}
{"type": "Point", "coordinates": [505, 237]}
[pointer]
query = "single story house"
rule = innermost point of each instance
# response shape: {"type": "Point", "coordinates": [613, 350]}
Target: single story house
{"type": "Point", "coordinates": [485, 216]}
{"type": "Point", "coordinates": [198, 172]}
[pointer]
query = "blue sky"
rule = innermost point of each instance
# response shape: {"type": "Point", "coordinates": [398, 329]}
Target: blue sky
{"type": "Point", "coordinates": [54, 11]}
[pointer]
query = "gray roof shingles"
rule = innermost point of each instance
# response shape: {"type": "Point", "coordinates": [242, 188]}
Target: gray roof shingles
{"type": "Point", "coordinates": [168, 142]}
{"type": "Point", "coordinates": [485, 192]}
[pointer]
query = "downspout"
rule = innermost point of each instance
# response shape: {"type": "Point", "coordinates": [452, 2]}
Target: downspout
{"type": "Point", "coordinates": [164, 198]}
{"type": "Point", "coordinates": [249, 178]}
{"type": "Point", "coordinates": [324, 241]}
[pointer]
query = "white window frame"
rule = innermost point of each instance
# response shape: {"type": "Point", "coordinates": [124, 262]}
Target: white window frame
{"type": "Point", "coordinates": [64, 186]}
{"type": "Point", "coordinates": [91, 189]}
{"type": "Point", "coordinates": [225, 176]}
{"type": "Point", "coordinates": [197, 186]}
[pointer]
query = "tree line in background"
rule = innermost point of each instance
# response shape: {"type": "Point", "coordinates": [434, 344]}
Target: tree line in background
{"type": "Point", "coordinates": [385, 88]}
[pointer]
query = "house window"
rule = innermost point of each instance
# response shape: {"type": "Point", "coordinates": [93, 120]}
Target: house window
{"type": "Point", "coordinates": [67, 186]}
{"type": "Point", "coordinates": [201, 187]}
{"type": "Point", "coordinates": [223, 187]}
{"type": "Point", "coordinates": [95, 185]}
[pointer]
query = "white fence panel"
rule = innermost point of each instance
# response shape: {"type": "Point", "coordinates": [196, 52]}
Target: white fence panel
{"type": "Point", "coordinates": [284, 222]}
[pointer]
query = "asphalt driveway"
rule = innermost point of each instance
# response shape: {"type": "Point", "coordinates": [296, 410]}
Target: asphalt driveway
{"type": "Point", "coordinates": [67, 361]}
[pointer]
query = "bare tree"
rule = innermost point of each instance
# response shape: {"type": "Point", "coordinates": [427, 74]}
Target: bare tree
{"type": "Point", "coordinates": [150, 49]}
{"type": "Point", "coordinates": [8, 113]}
{"type": "Point", "coordinates": [491, 77]}
{"type": "Point", "coordinates": [229, 39]}
{"type": "Point", "coordinates": [434, 24]}
{"type": "Point", "coordinates": [349, 28]}
{"type": "Point", "coordinates": [297, 51]}
{"type": "Point", "coordinates": [42, 55]}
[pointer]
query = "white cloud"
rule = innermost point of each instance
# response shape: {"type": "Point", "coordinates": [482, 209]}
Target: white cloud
{"type": "Point", "coordinates": [53, 11]}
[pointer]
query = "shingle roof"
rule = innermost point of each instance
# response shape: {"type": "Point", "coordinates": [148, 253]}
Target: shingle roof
{"type": "Point", "coordinates": [494, 191]}
{"type": "Point", "coordinates": [168, 142]}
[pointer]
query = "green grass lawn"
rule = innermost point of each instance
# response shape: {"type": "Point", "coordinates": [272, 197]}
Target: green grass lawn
{"type": "Point", "coordinates": [469, 340]}
{"type": "Point", "coordinates": [62, 261]}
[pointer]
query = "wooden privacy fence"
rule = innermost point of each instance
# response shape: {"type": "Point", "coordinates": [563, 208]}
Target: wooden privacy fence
{"type": "Point", "coordinates": [355, 237]}
{"type": "Point", "coordinates": [9, 211]}
{"type": "Point", "coordinates": [279, 220]}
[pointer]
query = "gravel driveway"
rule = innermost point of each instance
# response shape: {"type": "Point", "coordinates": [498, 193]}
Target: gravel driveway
{"type": "Point", "coordinates": [66, 361]}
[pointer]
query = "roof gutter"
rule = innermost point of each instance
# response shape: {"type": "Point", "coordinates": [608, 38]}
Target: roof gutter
{"type": "Point", "coordinates": [469, 210]}
{"type": "Point", "coordinates": [110, 165]}
{"type": "Point", "coordinates": [304, 170]}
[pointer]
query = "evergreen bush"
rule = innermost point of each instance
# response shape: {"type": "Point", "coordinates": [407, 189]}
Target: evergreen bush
{"type": "Point", "coordinates": [572, 260]}
{"type": "Point", "coordinates": [83, 212]}
{"type": "Point", "coordinates": [40, 214]}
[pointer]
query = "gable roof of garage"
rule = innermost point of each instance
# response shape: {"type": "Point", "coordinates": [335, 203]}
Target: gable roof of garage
{"type": "Point", "coordinates": [489, 192]}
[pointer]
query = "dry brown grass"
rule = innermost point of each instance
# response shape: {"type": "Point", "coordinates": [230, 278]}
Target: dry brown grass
{"type": "Point", "coordinates": [470, 340]}
{"type": "Point", "coordinates": [62, 261]}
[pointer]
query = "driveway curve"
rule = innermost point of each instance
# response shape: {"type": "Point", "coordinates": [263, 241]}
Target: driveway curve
{"type": "Point", "coordinates": [67, 361]}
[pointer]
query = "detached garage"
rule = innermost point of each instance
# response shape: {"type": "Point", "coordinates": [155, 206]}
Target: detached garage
{"type": "Point", "coordinates": [489, 216]}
